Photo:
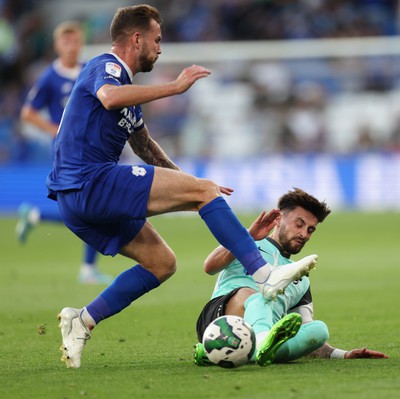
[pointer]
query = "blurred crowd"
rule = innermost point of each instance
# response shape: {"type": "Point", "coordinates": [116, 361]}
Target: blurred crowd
{"type": "Point", "coordinates": [198, 20]}
{"type": "Point", "coordinates": [274, 106]}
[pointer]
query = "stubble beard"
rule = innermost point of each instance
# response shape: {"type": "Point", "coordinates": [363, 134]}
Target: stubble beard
{"type": "Point", "coordinates": [291, 248]}
{"type": "Point", "coordinates": [146, 64]}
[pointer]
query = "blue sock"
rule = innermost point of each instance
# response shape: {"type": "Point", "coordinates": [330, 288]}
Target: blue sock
{"type": "Point", "coordinates": [230, 233]}
{"type": "Point", "coordinates": [128, 286]}
{"type": "Point", "coordinates": [90, 255]}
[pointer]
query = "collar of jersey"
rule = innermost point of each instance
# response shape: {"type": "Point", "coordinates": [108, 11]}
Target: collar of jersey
{"type": "Point", "coordinates": [125, 66]}
{"type": "Point", "coordinates": [277, 245]}
{"type": "Point", "coordinates": [68, 73]}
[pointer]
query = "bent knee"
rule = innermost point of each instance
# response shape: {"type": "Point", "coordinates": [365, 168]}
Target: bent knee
{"type": "Point", "coordinates": [238, 302]}
{"type": "Point", "coordinates": [245, 292]}
{"type": "Point", "coordinates": [170, 269]}
{"type": "Point", "coordinates": [166, 267]}
{"type": "Point", "coordinates": [323, 332]}
{"type": "Point", "coordinates": [318, 333]}
{"type": "Point", "coordinates": [208, 191]}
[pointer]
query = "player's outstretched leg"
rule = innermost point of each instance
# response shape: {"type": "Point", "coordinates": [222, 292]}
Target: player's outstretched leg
{"type": "Point", "coordinates": [74, 336]}
{"type": "Point", "coordinates": [280, 277]}
{"type": "Point", "coordinates": [200, 357]}
{"type": "Point", "coordinates": [280, 332]}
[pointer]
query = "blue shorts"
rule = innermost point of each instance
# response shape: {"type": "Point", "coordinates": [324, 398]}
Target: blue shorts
{"type": "Point", "coordinates": [110, 209]}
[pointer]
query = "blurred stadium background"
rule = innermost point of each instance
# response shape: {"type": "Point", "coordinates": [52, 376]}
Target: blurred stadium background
{"type": "Point", "coordinates": [303, 93]}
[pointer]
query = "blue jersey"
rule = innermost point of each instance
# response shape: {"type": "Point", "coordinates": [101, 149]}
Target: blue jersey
{"type": "Point", "coordinates": [90, 139]}
{"type": "Point", "coordinates": [52, 90]}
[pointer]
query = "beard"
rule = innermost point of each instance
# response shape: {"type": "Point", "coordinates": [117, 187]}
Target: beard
{"type": "Point", "coordinates": [291, 246]}
{"type": "Point", "coordinates": [146, 63]}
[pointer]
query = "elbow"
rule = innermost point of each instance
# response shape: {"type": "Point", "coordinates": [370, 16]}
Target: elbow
{"type": "Point", "coordinates": [109, 97]}
{"type": "Point", "coordinates": [108, 102]}
{"type": "Point", "coordinates": [206, 267]}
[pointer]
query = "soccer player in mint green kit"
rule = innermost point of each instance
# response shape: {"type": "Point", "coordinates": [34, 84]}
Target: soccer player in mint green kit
{"type": "Point", "coordinates": [43, 108]}
{"type": "Point", "coordinates": [107, 204]}
{"type": "Point", "coordinates": [285, 329]}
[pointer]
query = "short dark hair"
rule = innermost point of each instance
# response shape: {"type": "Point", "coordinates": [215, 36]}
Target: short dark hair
{"type": "Point", "coordinates": [298, 197]}
{"type": "Point", "coordinates": [133, 18]}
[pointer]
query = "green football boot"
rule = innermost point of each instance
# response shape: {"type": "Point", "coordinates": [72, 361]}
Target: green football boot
{"type": "Point", "coordinates": [280, 332]}
{"type": "Point", "coordinates": [200, 357]}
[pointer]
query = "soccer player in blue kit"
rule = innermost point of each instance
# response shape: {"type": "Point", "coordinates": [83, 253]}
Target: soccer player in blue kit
{"type": "Point", "coordinates": [107, 204]}
{"type": "Point", "coordinates": [43, 108]}
{"type": "Point", "coordinates": [285, 329]}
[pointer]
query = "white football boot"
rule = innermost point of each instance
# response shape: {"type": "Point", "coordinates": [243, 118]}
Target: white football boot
{"type": "Point", "coordinates": [278, 278]}
{"type": "Point", "coordinates": [74, 336]}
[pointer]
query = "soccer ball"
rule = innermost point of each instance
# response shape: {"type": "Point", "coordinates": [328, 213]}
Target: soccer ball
{"type": "Point", "coordinates": [229, 341]}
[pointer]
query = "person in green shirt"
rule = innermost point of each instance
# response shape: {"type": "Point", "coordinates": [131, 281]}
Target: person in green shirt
{"type": "Point", "coordinates": [285, 329]}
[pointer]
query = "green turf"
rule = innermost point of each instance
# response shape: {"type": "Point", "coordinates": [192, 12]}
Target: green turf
{"type": "Point", "coordinates": [146, 351]}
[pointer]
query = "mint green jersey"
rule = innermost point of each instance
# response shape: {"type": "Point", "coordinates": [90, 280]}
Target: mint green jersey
{"type": "Point", "coordinates": [234, 276]}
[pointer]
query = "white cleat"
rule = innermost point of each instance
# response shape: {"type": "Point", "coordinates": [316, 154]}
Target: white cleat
{"type": "Point", "coordinates": [74, 336]}
{"type": "Point", "coordinates": [280, 277]}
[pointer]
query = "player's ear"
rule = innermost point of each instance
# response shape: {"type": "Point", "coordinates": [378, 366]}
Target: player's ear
{"type": "Point", "coordinates": [136, 38]}
{"type": "Point", "coordinates": [278, 220]}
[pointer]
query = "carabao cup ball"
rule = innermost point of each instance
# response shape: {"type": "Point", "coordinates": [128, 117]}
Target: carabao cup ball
{"type": "Point", "coordinates": [229, 341]}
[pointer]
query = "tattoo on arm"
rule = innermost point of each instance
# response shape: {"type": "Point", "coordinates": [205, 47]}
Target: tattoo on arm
{"type": "Point", "coordinates": [323, 352]}
{"type": "Point", "coordinates": [149, 151]}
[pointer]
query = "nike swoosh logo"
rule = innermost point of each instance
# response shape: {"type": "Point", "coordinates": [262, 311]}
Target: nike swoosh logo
{"type": "Point", "coordinates": [261, 250]}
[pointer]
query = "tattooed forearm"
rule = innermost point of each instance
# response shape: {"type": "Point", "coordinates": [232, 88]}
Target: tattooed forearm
{"type": "Point", "coordinates": [158, 157]}
{"type": "Point", "coordinates": [323, 352]}
{"type": "Point", "coordinates": [149, 151]}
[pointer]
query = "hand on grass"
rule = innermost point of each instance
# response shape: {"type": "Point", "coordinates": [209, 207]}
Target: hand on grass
{"type": "Point", "coordinates": [364, 353]}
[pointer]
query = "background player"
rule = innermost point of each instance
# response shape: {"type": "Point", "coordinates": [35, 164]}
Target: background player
{"type": "Point", "coordinates": [235, 292]}
{"type": "Point", "coordinates": [44, 107]}
{"type": "Point", "coordinates": [107, 204]}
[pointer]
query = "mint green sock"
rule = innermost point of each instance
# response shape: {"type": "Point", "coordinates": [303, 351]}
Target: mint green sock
{"type": "Point", "coordinates": [310, 337]}
{"type": "Point", "coordinates": [258, 313]}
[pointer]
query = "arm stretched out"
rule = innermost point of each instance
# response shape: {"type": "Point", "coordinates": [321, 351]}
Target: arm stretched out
{"type": "Point", "coordinates": [326, 351]}
{"type": "Point", "coordinates": [114, 96]}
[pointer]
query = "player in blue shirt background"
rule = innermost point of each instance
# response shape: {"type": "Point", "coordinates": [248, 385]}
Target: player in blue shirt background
{"type": "Point", "coordinates": [43, 109]}
{"type": "Point", "coordinates": [107, 204]}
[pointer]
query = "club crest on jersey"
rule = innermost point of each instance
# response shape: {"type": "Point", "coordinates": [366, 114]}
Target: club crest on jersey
{"type": "Point", "coordinates": [113, 69]}
{"type": "Point", "coordinates": [138, 171]}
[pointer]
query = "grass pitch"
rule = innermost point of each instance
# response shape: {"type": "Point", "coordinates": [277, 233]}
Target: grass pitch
{"type": "Point", "coordinates": [146, 350]}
